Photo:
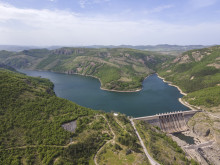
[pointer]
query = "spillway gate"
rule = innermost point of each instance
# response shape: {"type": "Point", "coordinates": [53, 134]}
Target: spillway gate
{"type": "Point", "coordinates": [170, 122]}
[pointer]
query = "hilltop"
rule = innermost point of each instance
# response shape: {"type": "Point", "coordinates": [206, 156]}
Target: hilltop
{"type": "Point", "coordinates": [118, 69]}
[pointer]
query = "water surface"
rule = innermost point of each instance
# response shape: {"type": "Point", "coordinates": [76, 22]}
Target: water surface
{"type": "Point", "coordinates": [155, 97]}
{"type": "Point", "coordinates": [187, 139]}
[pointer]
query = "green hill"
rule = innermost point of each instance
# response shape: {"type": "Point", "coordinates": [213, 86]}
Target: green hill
{"type": "Point", "coordinates": [196, 72]}
{"type": "Point", "coordinates": [31, 117]}
{"type": "Point", "coordinates": [31, 131]}
{"type": "Point", "coordinates": [119, 69]}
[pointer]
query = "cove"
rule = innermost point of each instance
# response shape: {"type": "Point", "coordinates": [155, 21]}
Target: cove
{"type": "Point", "coordinates": [155, 97]}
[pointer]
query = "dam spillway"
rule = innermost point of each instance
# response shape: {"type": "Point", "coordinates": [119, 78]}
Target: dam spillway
{"type": "Point", "coordinates": [170, 122]}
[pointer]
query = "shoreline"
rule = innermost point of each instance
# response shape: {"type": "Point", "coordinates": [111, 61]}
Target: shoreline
{"type": "Point", "coordinates": [104, 89]}
{"type": "Point", "coordinates": [180, 99]}
{"type": "Point", "coordinates": [186, 104]}
{"type": "Point", "coordinates": [109, 90]}
{"type": "Point", "coordinates": [170, 83]}
{"type": "Point", "coordinates": [112, 90]}
{"type": "Point", "coordinates": [137, 90]}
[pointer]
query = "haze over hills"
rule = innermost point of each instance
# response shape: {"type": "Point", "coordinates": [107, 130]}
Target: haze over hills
{"type": "Point", "coordinates": [160, 47]}
{"type": "Point", "coordinates": [17, 48]}
{"type": "Point", "coordinates": [164, 48]}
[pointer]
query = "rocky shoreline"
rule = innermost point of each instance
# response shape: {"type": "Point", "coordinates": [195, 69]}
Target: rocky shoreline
{"type": "Point", "coordinates": [183, 93]}
{"type": "Point", "coordinates": [170, 83]}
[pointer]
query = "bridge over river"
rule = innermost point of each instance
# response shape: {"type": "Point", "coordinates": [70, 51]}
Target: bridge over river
{"type": "Point", "coordinates": [170, 122]}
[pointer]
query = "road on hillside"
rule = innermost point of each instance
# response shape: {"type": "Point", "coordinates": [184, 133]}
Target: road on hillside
{"type": "Point", "coordinates": [152, 161]}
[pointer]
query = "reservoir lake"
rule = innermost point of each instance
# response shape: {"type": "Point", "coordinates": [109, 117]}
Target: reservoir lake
{"type": "Point", "coordinates": [155, 97]}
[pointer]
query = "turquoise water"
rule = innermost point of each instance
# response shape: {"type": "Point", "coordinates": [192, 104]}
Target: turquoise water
{"type": "Point", "coordinates": [155, 97]}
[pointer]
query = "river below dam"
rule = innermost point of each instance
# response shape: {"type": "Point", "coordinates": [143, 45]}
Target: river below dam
{"type": "Point", "coordinates": [155, 97]}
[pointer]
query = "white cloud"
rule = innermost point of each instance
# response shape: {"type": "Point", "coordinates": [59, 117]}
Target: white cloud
{"type": "Point", "coordinates": [56, 27]}
{"type": "Point", "coordinates": [84, 3]}
{"type": "Point", "coordinates": [202, 3]}
{"type": "Point", "coordinates": [160, 8]}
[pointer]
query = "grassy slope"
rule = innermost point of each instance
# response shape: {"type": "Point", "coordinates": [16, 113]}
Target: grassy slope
{"type": "Point", "coordinates": [118, 69]}
{"type": "Point", "coordinates": [30, 126]}
{"type": "Point", "coordinates": [197, 73]}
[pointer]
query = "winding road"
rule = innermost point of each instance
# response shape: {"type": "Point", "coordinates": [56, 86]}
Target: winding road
{"type": "Point", "coordinates": [152, 161]}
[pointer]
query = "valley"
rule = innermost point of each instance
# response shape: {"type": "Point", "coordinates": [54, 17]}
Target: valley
{"type": "Point", "coordinates": [195, 72]}
{"type": "Point", "coordinates": [32, 132]}
{"type": "Point", "coordinates": [109, 82]}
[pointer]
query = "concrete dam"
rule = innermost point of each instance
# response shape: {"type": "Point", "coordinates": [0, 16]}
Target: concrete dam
{"type": "Point", "coordinates": [170, 122]}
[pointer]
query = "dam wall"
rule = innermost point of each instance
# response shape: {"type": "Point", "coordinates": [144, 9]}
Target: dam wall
{"type": "Point", "coordinates": [170, 122]}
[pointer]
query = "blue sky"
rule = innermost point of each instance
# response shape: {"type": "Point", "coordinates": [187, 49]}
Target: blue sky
{"type": "Point", "coordinates": [109, 22]}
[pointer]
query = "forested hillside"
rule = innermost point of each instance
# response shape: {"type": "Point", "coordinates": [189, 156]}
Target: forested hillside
{"type": "Point", "coordinates": [31, 117]}
{"type": "Point", "coordinates": [31, 131]}
{"type": "Point", "coordinates": [119, 69]}
{"type": "Point", "coordinates": [196, 72]}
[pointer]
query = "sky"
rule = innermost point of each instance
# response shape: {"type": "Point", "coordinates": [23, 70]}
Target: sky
{"type": "Point", "coordinates": [109, 22]}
